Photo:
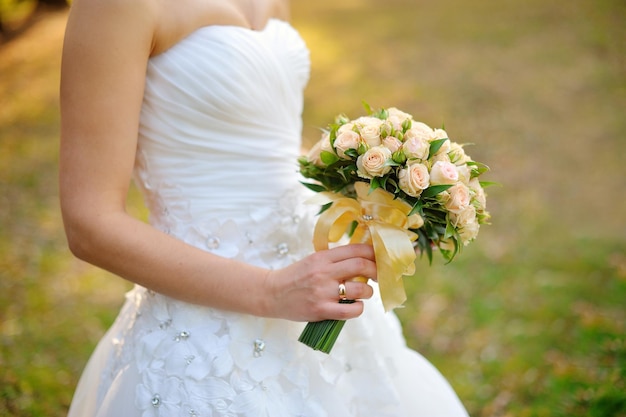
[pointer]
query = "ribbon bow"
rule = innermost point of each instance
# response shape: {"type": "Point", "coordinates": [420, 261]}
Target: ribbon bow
{"type": "Point", "coordinates": [382, 221]}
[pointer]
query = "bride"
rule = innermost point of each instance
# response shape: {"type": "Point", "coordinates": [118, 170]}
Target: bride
{"type": "Point", "coordinates": [200, 102]}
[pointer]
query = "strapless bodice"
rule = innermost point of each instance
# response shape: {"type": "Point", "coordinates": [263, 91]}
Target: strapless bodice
{"type": "Point", "coordinates": [219, 137]}
{"type": "Point", "coordinates": [220, 126]}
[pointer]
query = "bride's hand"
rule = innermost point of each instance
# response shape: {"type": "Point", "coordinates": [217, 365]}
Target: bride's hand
{"type": "Point", "coordinates": [308, 290]}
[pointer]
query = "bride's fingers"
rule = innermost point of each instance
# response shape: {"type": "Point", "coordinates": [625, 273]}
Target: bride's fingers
{"type": "Point", "coordinates": [337, 311]}
{"type": "Point", "coordinates": [352, 291]}
{"type": "Point", "coordinates": [347, 269]}
{"type": "Point", "coordinates": [357, 250]}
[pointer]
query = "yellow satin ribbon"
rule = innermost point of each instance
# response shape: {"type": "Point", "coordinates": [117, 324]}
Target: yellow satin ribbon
{"type": "Point", "coordinates": [381, 221]}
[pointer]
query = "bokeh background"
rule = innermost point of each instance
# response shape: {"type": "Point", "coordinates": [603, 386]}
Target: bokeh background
{"type": "Point", "coordinates": [530, 320]}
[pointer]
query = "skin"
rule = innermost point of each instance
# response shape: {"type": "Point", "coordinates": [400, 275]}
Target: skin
{"type": "Point", "coordinates": [107, 46]}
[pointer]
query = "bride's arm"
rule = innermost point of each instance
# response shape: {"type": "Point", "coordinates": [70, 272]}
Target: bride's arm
{"type": "Point", "coordinates": [105, 55]}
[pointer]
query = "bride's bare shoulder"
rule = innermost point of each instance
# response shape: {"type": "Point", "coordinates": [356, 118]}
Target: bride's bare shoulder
{"type": "Point", "coordinates": [102, 24]}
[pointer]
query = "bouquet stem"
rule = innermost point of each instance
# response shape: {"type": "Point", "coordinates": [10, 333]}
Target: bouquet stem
{"type": "Point", "coordinates": [321, 335]}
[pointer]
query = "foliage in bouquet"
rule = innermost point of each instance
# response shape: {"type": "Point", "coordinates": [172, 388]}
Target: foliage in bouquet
{"type": "Point", "coordinates": [419, 165]}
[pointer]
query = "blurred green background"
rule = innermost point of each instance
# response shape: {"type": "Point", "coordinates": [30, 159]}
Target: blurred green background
{"type": "Point", "coordinates": [529, 320]}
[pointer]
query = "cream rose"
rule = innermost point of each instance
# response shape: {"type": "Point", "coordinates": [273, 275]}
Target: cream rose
{"type": "Point", "coordinates": [466, 223]}
{"type": "Point", "coordinates": [346, 140]}
{"type": "Point", "coordinates": [439, 134]}
{"type": "Point", "coordinates": [369, 128]}
{"type": "Point", "coordinates": [459, 198]}
{"type": "Point", "coordinates": [394, 112]}
{"type": "Point", "coordinates": [457, 154]}
{"type": "Point", "coordinates": [373, 163]}
{"type": "Point", "coordinates": [463, 217]}
{"type": "Point", "coordinates": [314, 153]}
{"type": "Point", "coordinates": [480, 198]}
{"type": "Point", "coordinates": [325, 142]}
{"type": "Point", "coordinates": [443, 173]}
{"type": "Point", "coordinates": [469, 231]}
{"type": "Point", "coordinates": [345, 127]}
{"type": "Point", "coordinates": [443, 157]}
{"type": "Point", "coordinates": [415, 147]}
{"type": "Point", "coordinates": [464, 173]}
{"type": "Point", "coordinates": [414, 179]}
{"type": "Point", "coordinates": [392, 143]}
{"type": "Point", "coordinates": [397, 117]}
{"type": "Point", "coordinates": [419, 130]}
{"type": "Point", "coordinates": [396, 122]}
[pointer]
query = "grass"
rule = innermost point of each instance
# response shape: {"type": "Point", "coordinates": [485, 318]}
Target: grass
{"type": "Point", "coordinates": [528, 321]}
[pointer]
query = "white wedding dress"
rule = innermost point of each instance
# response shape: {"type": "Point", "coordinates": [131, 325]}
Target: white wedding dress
{"type": "Point", "coordinates": [217, 162]}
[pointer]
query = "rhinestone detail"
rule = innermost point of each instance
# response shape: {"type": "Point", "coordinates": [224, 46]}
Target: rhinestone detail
{"type": "Point", "coordinates": [259, 347]}
{"type": "Point", "coordinates": [156, 401]}
{"type": "Point", "coordinates": [282, 249]}
{"type": "Point", "coordinates": [213, 242]}
{"type": "Point", "coordinates": [184, 335]}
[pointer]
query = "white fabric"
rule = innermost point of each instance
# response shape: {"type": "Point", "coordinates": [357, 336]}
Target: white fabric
{"type": "Point", "coordinates": [219, 139]}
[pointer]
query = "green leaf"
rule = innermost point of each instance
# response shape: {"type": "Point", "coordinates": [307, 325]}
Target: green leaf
{"type": "Point", "coordinates": [383, 182]}
{"type": "Point", "coordinates": [417, 208]}
{"type": "Point", "coordinates": [314, 187]}
{"type": "Point", "coordinates": [325, 207]}
{"type": "Point", "coordinates": [429, 253]}
{"type": "Point", "coordinates": [328, 158]}
{"type": "Point", "coordinates": [477, 168]}
{"type": "Point", "coordinates": [449, 255]}
{"type": "Point", "coordinates": [434, 190]}
{"type": "Point", "coordinates": [347, 173]}
{"type": "Point", "coordinates": [374, 184]}
{"type": "Point", "coordinates": [392, 163]}
{"type": "Point", "coordinates": [424, 243]}
{"type": "Point", "coordinates": [450, 230]}
{"type": "Point", "coordinates": [435, 145]}
{"type": "Point", "coordinates": [486, 184]}
{"type": "Point", "coordinates": [367, 107]}
{"type": "Point", "coordinates": [390, 182]}
{"type": "Point", "coordinates": [352, 153]}
{"type": "Point", "coordinates": [332, 135]}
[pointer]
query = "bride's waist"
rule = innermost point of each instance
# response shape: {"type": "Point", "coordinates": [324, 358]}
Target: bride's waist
{"type": "Point", "coordinates": [265, 230]}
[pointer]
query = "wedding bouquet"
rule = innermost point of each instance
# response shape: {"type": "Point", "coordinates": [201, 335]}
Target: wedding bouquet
{"type": "Point", "coordinates": [398, 184]}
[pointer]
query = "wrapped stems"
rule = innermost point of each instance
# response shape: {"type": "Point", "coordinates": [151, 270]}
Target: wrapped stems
{"type": "Point", "coordinates": [322, 335]}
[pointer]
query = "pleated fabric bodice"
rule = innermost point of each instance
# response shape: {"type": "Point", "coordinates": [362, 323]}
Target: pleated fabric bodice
{"type": "Point", "coordinates": [220, 134]}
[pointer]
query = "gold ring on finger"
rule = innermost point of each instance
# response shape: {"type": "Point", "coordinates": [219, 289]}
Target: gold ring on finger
{"type": "Point", "coordinates": [342, 291]}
